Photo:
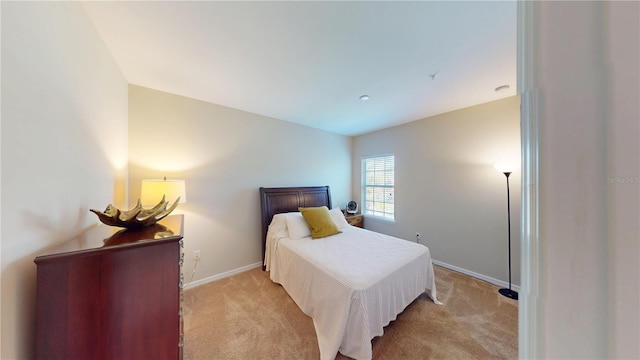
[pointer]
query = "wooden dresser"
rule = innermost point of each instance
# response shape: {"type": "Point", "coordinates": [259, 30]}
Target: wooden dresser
{"type": "Point", "coordinates": [112, 294]}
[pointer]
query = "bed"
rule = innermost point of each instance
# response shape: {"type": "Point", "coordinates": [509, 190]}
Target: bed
{"type": "Point", "coordinates": [352, 283]}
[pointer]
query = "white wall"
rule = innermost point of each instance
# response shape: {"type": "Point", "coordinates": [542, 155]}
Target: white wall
{"type": "Point", "coordinates": [447, 187]}
{"type": "Point", "coordinates": [225, 155]}
{"type": "Point", "coordinates": [623, 179]}
{"type": "Point", "coordinates": [583, 79]}
{"type": "Point", "coordinates": [64, 146]}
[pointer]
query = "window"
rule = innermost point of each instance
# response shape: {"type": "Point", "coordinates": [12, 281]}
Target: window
{"type": "Point", "coordinates": [378, 186]}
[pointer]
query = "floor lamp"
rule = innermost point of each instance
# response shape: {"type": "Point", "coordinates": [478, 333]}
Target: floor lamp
{"type": "Point", "coordinates": [508, 292]}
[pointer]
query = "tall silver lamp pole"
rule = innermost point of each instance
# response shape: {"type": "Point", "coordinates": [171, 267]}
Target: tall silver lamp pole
{"type": "Point", "coordinates": [506, 170]}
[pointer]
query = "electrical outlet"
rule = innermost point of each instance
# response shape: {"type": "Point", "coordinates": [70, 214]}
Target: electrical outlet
{"type": "Point", "coordinates": [418, 237]}
{"type": "Point", "coordinates": [196, 255]}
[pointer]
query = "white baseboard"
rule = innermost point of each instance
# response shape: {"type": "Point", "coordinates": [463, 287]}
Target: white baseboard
{"type": "Point", "coordinates": [500, 283]}
{"type": "Point", "coordinates": [221, 276]}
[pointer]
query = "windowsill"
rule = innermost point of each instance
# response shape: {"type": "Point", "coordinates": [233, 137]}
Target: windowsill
{"type": "Point", "coordinates": [378, 218]}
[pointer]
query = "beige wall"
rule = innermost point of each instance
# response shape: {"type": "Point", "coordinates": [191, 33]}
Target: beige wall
{"type": "Point", "coordinates": [64, 148]}
{"type": "Point", "coordinates": [225, 155]}
{"type": "Point", "coordinates": [447, 188]}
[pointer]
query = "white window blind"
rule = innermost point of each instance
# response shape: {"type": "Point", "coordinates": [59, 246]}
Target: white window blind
{"type": "Point", "coordinates": [378, 184]}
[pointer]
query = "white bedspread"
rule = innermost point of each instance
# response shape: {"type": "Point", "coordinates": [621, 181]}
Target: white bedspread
{"type": "Point", "coordinates": [351, 284]}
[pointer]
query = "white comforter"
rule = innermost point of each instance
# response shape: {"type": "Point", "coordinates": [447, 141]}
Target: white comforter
{"type": "Point", "coordinates": [351, 284]}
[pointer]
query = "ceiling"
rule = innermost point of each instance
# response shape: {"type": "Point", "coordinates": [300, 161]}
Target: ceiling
{"type": "Point", "coordinates": [308, 62]}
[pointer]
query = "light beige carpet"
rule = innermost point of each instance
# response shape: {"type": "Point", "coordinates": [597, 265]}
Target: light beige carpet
{"type": "Point", "coordinates": [247, 316]}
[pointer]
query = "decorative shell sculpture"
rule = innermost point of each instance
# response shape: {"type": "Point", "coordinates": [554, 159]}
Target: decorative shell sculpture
{"type": "Point", "coordinates": [136, 218]}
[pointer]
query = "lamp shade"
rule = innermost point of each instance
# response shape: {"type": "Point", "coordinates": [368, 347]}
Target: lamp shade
{"type": "Point", "coordinates": [153, 190]}
{"type": "Point", "coordinates": [506, 166]}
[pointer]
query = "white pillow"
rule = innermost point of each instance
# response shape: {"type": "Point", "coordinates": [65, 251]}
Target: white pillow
{"type": "Point", "coordinates": [297, 225]}
{"type": "Point", "coordinates": [278, 226]}
{"type": "Point", "coordinates": [338, 217]}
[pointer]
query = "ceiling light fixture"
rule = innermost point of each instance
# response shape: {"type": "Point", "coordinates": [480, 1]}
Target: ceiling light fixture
{"type": "Point", "coordinates": [502, 88]}
{"type": "Point", "coordinates": [364, 97]}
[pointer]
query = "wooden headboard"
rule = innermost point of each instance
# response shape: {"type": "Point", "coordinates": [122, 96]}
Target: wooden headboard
{"type": "Point", "coordinates": [288, 199]}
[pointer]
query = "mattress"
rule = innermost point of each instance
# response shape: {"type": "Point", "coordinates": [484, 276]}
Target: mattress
{"type": "Point", "coordinates": [351, 284]}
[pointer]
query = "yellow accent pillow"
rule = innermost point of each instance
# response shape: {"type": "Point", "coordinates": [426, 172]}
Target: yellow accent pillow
{"type": "Point", "coordinates": [320, 221]}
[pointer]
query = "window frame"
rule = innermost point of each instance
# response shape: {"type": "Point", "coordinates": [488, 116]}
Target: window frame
{"type": "Point", "coordinates": [364, 186]}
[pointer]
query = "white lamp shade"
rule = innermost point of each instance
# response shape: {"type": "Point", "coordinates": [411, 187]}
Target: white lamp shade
{"type": "Point", "coordinates": [153, 190]}
{"type": "Point", "coordinates": [506, 166]}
